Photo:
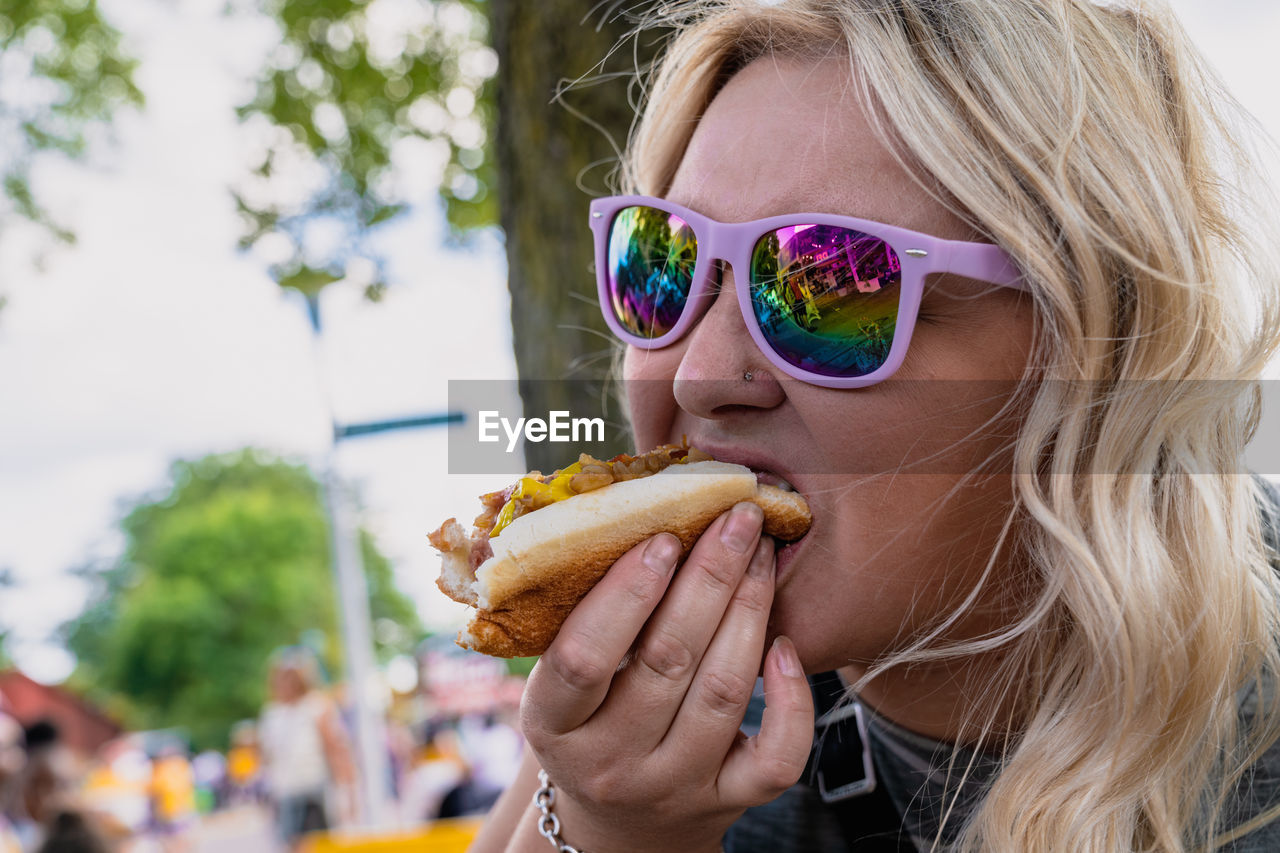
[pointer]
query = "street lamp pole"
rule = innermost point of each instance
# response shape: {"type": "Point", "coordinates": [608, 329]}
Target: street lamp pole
{"type": "Point", "coordinates": [364, 692]}
{"type": "Point", "coordinates": [367, 694]}
{"type": "Point", "coordinates": [364, 689]}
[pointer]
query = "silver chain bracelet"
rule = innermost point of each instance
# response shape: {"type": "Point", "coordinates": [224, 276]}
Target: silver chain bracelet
{"type": "Point", "coordinates": [548, 824]}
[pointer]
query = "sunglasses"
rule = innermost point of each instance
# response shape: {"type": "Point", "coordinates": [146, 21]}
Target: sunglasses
{"type": "Point", "coordinates": [831, 300]}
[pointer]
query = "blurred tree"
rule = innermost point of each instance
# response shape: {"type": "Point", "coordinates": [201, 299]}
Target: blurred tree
{"type": "Point", "coordinates": [365, 107]}
{"type": "Point", "coordinates": [228, 565]}
{"type": "Point", "coordinates": [556, 146]}
{"type": "Point", "coordinates": [360, 96]}
{"type": "Point", "coordinates": [366, 101]}
{"type": "Point", "coordinates": [63, 72]}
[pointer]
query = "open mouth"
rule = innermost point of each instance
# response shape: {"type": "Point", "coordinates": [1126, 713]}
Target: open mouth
{"type": "Point", "coordinates": [784, 552]}
{"type": "Point", "coordinates": [769, 478]}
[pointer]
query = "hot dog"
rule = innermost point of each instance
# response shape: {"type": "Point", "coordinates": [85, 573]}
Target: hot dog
{"type": "Point", "coordinates": [542, 544]}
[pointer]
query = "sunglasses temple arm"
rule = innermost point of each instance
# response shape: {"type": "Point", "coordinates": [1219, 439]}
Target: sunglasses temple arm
{"type": "Point", "coordinates": [981, 261]}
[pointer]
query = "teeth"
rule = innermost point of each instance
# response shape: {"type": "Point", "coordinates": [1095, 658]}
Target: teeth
{"type": "Point", "coordinates": [773, 479]}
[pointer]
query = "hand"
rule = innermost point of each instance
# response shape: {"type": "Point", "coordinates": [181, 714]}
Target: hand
{"type": "Point", "coordinates": [649, 756]}
{"type": "Point", "coordinates": [346, 804]}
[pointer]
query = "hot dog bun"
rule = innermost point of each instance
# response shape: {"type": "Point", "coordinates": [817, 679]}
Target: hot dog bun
{"type": "Point", "coordinates": [544, 562]}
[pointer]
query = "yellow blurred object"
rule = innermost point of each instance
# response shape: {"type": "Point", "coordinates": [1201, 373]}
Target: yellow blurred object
{"type": "Point", "coordinates": [441, 836]}
{"type": "Point", "coordinates": [173, 787]}
{"type": "Point", "coordinates": [242, 764]}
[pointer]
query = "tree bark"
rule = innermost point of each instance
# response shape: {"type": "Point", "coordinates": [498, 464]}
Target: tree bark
{"type": "Point", "coordinates": [551, 162]}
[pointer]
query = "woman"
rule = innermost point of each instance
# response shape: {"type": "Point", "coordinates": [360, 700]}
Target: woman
{"type": "Point", "coordinates": [1035, 560]}
{"type": "Point", "coordinates": [306, 761]}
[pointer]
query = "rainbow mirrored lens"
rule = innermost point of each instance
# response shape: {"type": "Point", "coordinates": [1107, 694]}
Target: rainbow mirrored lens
{"type": "Point", "coordinates": [650, 269]}
{"type": "Point", "coordinates": [826, 297]}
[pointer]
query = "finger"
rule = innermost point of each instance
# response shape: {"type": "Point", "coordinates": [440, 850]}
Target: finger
{"type": "Point", "coordinates": [572, 677]}
{"type": "Point", "coordinates": [717, 699]}
{"type": "Point", "coordinates": [760, 768]}
{"type": "Point", "coordinates": [652, 687]}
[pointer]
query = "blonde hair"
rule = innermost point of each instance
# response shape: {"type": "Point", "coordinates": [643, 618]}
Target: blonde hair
{"type": "Point", "coordinates": [1093, 144]}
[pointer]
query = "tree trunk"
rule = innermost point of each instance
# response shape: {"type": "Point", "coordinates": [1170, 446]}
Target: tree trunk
{"type": "Point", "coordinates": [551, 162]}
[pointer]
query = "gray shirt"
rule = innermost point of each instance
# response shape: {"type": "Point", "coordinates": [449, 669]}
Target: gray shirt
{"type": "Point", "coordinates": [914, 771]}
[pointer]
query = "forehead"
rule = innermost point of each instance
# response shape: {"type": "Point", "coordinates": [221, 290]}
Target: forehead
{"type": "Point", "coordinates": [790, 136]}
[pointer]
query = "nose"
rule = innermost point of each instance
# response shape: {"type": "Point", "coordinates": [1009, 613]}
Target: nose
{"type": "Point", "coordinates": [721, 368]}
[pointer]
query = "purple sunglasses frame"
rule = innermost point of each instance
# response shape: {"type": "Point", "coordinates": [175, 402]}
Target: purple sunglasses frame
{"type": "Point", "coordinates": [919, 254]}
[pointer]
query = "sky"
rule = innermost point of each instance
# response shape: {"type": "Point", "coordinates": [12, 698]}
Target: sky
{"type": "Point", "coordinates": [154, 339]}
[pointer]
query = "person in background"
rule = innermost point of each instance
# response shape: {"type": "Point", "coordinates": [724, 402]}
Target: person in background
{"type": "Point", "coordinates": [45, 784]}
{"type": "Point", "coordinates": [118, 787]}
{"type": "Point", "coordinates": [210, 769]}
{"type": "Point", "coordinates": [173, 796]}
{"type": "Point", "coordinates": [73, 831]}
{"type": "Point", "coordinates": [305, 754]}
{"type": "Point", "coordinates": [492, 750]}
{"type": "Point", "coordinates": [436, 770]}
{"type": "Point", "coordinates": [49, 814]}
{"type": "Point", "coordinates": [12, 760]}
{"type": "Point", "coordinates": [244, 765]}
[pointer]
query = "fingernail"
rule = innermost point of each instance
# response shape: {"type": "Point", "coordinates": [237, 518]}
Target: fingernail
{"type": "Point", "coordinates": [660, 554]}
{"type": "Point", "coordinates": [788, 662]}
{"type": "Point", "coordinates": [762, 562]}
{"type": "Point", "coordinates": [742, 527]}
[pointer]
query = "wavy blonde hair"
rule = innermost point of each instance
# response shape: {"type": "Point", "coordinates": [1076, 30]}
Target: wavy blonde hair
{"type": "Point", "coordinates": [1094, 145]}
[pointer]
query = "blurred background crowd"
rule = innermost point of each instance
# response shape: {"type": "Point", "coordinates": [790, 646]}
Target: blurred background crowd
{"type": "Point", "coordinates": [71, 780]}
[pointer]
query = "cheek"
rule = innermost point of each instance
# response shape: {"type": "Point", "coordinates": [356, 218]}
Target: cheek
{"type": "Point", "coordinates": [906, 530]}
{"type": "Point", "coordinates": [648, 377]}
{"type": "Point", "coordinates": [913, 428]}
{"type": "Point", "coordinates": [988, 337]}
{"type": "Point", "coordinates": [899, 556]}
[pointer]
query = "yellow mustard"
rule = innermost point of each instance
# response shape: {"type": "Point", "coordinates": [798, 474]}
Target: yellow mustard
{"type": "Point", "coordinates": [542, 494]}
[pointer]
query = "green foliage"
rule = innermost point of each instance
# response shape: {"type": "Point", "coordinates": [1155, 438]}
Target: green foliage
{"type": "Point", "coordinates": [353, 91]}
{"type": "Point", "coordinates": [73, 75]}
{"type": "Point", "coordinates": [230, 564]}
